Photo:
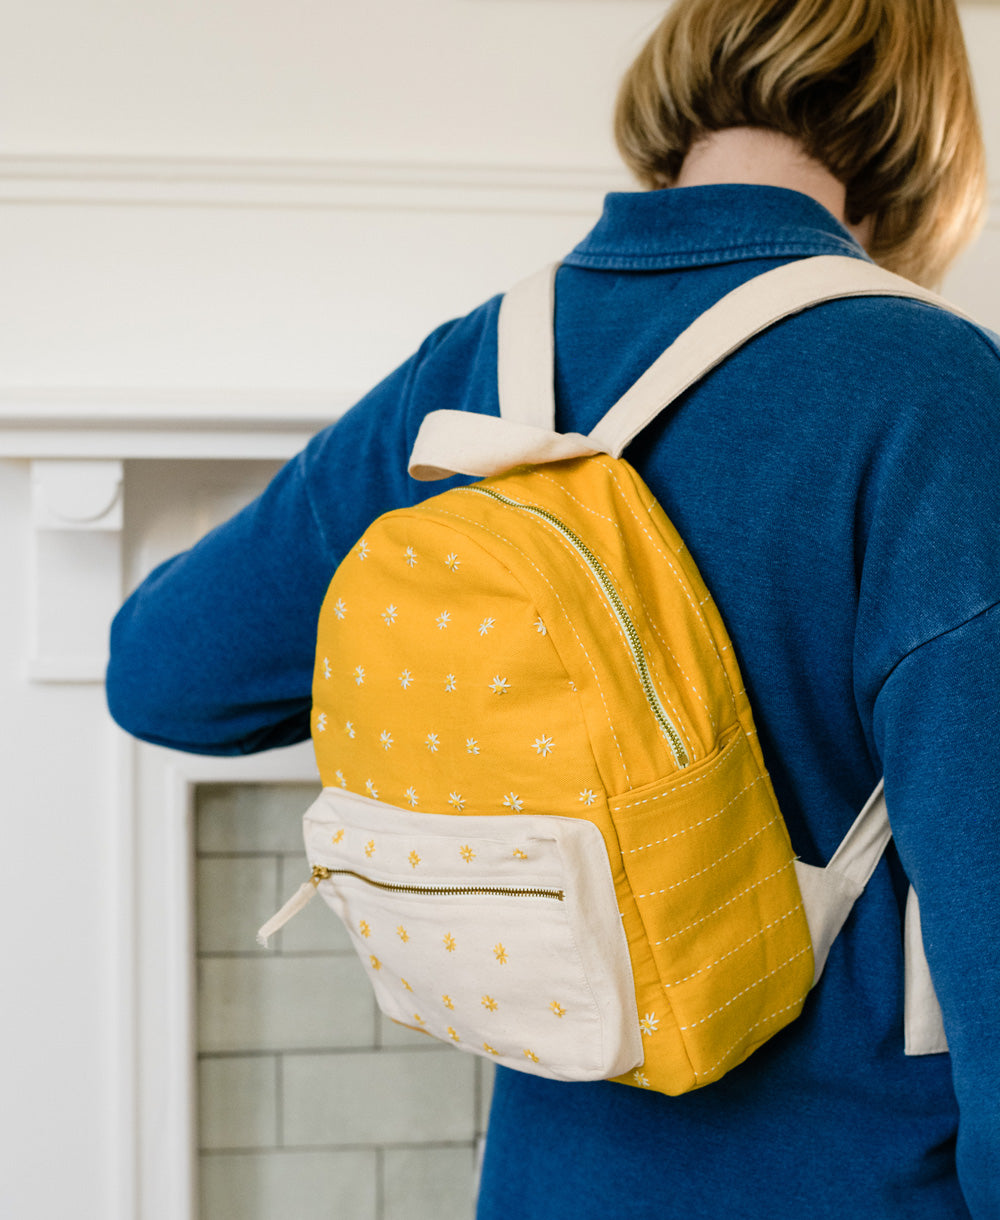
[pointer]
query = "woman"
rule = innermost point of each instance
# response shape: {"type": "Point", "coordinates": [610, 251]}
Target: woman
{"type": "Point", "coordinates": [837, 482]}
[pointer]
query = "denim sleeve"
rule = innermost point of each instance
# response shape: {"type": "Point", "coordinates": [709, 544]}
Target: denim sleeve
{"type": "Point", "coordinates": [937, 727]}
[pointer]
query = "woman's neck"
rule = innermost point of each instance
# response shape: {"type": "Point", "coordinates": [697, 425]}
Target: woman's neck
{"type": "Point", "coordinates": [762, 157]}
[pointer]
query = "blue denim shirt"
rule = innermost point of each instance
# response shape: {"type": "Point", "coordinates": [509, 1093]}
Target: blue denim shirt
{"type": "Point", "coordinates": [838, 483]}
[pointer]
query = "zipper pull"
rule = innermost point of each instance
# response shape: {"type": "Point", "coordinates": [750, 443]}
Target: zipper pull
{"type": "Point", "coordinates": [301, 898]}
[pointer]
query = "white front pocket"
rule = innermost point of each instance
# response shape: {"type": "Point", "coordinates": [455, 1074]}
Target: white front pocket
{"type": "Point", "coordinates": [498, 935]}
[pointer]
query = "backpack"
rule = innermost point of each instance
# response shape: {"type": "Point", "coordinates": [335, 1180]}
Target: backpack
{"type": "Point", "coordinates": [546, 821]}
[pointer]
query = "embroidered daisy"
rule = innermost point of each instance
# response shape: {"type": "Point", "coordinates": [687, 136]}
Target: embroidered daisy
{"type": "Point", "coordinates": [349, 729]}
{"type": "Point", "coordinates": [411, 798]}
{"type": "Point", "coordinates": [414, 859]}
{"type": "Point", "coordinates": [467, 854]}
{"type": "Point", "coordinates": [513, 801]}
{"type": "Point", "coordinates": [500, 953]}
{"type": "Point", "coordinates": [449, 942]}
{"type": "Point", "coordinates": [410, 555]}
{"type": "Point", "coordinates": [448, 1002]}
{"type": "Point", "coordinates": [389, 615]}
{"type": "Point", "coordinates": [376, 964]}
{"type": "Point", "coordinates": [385, 738]}
{"type": "Point", "coordinates": [649, 1024]}
{"type": "Point", "coordinates": [418, 1018]}
{"type": "Point", "coordinates": [370, 848]}
{"type": "Point", "coordinates": [371, 789]}
{"type": "Point", "coordinates": [449, 683]}
{"type": "Point", "coordinates": [337, 834]}
{"type": "Point", "coordinates": [339, 608]}
{"type": "Point", "coordinates": [443, 619]}
{"type": "Point", "coordinates": [402, 933]}
{"type": "Point", "coordinates": [641, 1079]}
{"type": "Point", "coordinates": [363, 549]}
{"type": "Point", "coordinates": [359, 675]}
{"type": "Point", "coordinates": [489, 1003]}
{"type": "Point", "coordinates": [364, 928]}
{"type": "Point", "coordinates": [456, 801]}
{"type": "Point", "coordinates": [487, 625]}
{"type": "Point", "coordinates": [519, 854]}
{"type": "Point", "coordinates": [489, 1049]}
{"type": "Point", "coordinates": [542, 746]}
{"type": "Point", "coordinates": [326, 667]}
{"type": "Point", "coordinates": [471, 745]}
{"type": "Point", "coordinates": [452, 1035]}
{"type": "Point", "coordinates": [406, 984]}
{"type": "Point", "coordinates": [406, 679]}
{"type": "Point", "coordinates": [321, 723]}
{"type": "Point", "coordinates": [531, 1055]}
{"type": "Point", "coordinates": [557, 1008]}
{"type": "Point", "coordinates": [432, 742]}
{"type": "Point", "coordinates": [499, 686]}
{"type": "Point", "coordinates": [339, 777]}
{"type": "Point", "coordinates": [540, 627]}
{"type": "Point", "coordinates": [587, 797]}
{"type": "Point", "coordinates": [452, 561]}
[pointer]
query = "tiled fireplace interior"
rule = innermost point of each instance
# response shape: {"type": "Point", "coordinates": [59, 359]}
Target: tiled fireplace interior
{"type": "Point", "coordinates": [311, 1104]}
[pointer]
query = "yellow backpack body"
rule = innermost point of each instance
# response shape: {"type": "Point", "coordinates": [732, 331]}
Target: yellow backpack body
{"type": "Point", "coordinates": [546, 820]}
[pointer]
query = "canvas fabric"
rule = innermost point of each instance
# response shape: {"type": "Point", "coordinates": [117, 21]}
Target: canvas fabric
{"type": "Point", "coordinates": [546, 821]}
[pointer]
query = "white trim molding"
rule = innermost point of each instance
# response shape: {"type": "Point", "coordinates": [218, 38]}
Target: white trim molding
{"type": "Point", "coordinates": [288, 183]}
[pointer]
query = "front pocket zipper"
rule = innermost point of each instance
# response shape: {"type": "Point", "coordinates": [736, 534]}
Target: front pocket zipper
{"type": "Point", "coordinates": [305, 893]}
{"type": "Point", "coordinates": [667, 726]}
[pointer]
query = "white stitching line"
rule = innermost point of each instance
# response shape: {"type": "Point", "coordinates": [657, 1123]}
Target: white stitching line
{"type": "Point", "coordinates": [727, 903]}
{"type": "Point", "coordinates": [760, 932]}
{"type": "Point", "coordinates": [742, 1041]}
{"type": "Point", "coordinates": [479, 525]}
{"type": "Point", "coordinates": [715, 863]}
{"type": "Point", "coordinates": [695, 825]}
{"type": "Point", "coordinates": [706, 774]}
{"type": "Point", "coordinates": [762, 979]}
{"type": "Point", "coordinates": [586, 507]}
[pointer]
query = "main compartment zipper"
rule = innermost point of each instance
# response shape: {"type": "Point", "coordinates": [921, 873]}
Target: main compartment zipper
{"type": "Point", "coordinates": [667, 726]}
{"type": "Point", "coordinates": [307, 890]}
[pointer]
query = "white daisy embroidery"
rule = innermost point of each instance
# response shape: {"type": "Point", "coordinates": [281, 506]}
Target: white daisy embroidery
{"type": "Point", "coordinates": [487, 625]}
{"type": "Point", "coordinates": [456, 800]}
{"type": "Point", "coordinates": [385, 737]}
{"type": "Point", "coordinates": [339, 777]}
{"type": "Point", "coordinates": [443, 619]}
{"type": "Point", "coordinates": [406, 679]}
{"type": "Point", "coordinates": [410, 555]}
{"type": "Point", "coordinates": [371, 789]}
{"type": "Point", "coordinates": [542, 746]}
{"type": "Point", "coordinates": [321, 723]}
{"type": "Point", "coordinates": [587, 797]}
{"type": "Point", "coordinates": [339, 608]}
{"type": "Point", "coordinates": [540, 627]}
{"type": "Point", "coordinates": [513, 801]}
{"type": "Point", "coordinates": [389, 615]}
{"type": "Point", "coordinates": [499, 686]}
{"type": "Point", "coordinates": [359, 675]}
{"type": "Point", "coordinates": [363, 549]}
{"type": "Point", "coordinates": [449, 682]}
{"type": "Point", "coordinates": [349, 729]}
{"type": "Point", "coordinates": [641, 1079]}
{"type": "Point", "coordinates": [452, 561]}
{"type": "Point", "coordinates": [326, 667]}
{"type": "Point", "coordinates": [432, 742]}
{"type": "Point", "coordinates": [411, 797]}
{"type": "Point", "coordinates": [471, 745]}
{"type": "Point", "coordinates": [649, 1024]}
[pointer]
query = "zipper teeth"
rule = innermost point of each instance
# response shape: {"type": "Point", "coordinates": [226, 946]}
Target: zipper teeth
{"type": "Point", "coordinates": [321, 873]}
{"type": "Point", "coordinates": [667, 726]}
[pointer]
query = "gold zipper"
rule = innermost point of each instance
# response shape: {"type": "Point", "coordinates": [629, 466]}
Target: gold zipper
{"type": "Point", "coordinates": [320, 873]}
{"type": "Point", "coordinates": [667, 726]}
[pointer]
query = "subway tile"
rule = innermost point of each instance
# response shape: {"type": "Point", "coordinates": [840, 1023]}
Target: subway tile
{"type": "Point", "coordinates": [397, 1097]}
{"type": "Point", "coordinates": [251, 817]}
{"type": "Point", "coordinates": [274, 1002]}
{"type": "Point", "coordinates": [429, 1184]}
{"type": "Point", "coordinates": [316, 928]}
{"type": "Point", "coordinates": [237, 1103]}
{"type": "Point", "coordinates": [235, 896]}
{"type": "Point", "coordinates": [487, 1071]}
{"type": "Point", "coordinates": [289, 1186]}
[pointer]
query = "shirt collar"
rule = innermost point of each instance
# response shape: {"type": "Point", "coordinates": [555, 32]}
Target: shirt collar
{"type": "Point", "coordinates": [699, 226]}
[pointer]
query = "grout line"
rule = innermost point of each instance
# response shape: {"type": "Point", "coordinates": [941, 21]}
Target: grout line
{"type": "Point", "coordinates": [260, 1052]}
{"type": "Point", "coordinates": [279, 1101]}
{"type": "Point", "coordinates": [428, 1146]}
{"type": "Point", "coordinates": [380, 1171]}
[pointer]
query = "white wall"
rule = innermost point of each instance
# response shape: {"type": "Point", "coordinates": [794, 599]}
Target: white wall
{"type": "Point", "coordinates": [211, 209]}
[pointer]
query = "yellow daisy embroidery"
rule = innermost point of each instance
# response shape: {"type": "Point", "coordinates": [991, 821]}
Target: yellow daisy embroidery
{"type": "Point", "coordinates": [365, 929]}
{"type": "Point", "coordinates": [449, 942]}
{"type": "Point", "coordinates": [414, 859]}
{"type": "Point", "coordinates": [406, 984]}
{"type": "Point", "coordinates": [448, 1002]}
{"type": "Point", "coordinates": [402, 933]}
{"type": "Point", "coordinates": [418, 1018]}
{"type": "Point", "coordinates": [376, 964]}
{"type": "Point", "coordinates": [519, 854]}
{"type": "Point", "coordinates": [500, 953]}
{"type": "Point", "coordinates": [453, 1035]}
{"type": "Point", "coordinates": [557, 1008]}
{"type": "Point", "coordinates": [370, 848]}
{"type": "Point", "coordinates": [531, 1055]}
{"type": "Point", "coordinates": [489, 1003]}
{"type": "Point", "coordinates": [337, 836]}
{"type": "Point", "coordinates": [489, 1049]}
{"type": "Point", "coordinates": [467, 854]}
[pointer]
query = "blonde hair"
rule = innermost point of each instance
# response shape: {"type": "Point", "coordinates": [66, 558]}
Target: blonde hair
{"type": "Point", "coordinates": [879, 91]}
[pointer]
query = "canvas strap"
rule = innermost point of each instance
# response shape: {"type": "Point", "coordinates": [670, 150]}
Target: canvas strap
{"type": "Point", "coordinates": [459, 442]}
